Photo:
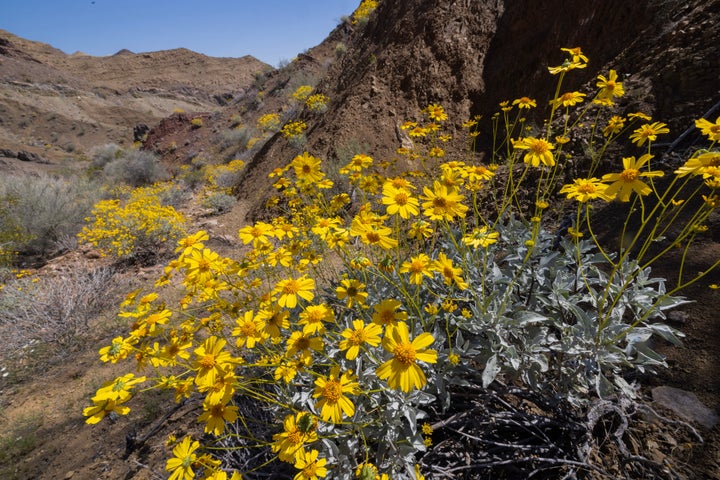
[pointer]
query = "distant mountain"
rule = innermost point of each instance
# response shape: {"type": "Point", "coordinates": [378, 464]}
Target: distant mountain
{"type": "Point", "coordinates": [55, 104]}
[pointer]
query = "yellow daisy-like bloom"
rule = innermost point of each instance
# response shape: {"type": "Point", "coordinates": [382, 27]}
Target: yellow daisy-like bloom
{"type": "Point", "coordinates": [311, 467]}
{"type": "Point", "coordinates": [712, 130]}
{"type": "Point", "coordinates": [525, 102]}
{"type": "Point", "coordinates": [402, 371]}
{"type": "Point", "coordinates": [442, 203]}
{"type": "Point", "coordinates": [699, 164]}
{"type": "Point", "coordinates": [104, 406]}
{"type": "Point", "coordinates": [568, 99]}
{"type": "Point", "coordinates": [648, 132]}
{"type": "Point", "coordinates": [566, 66]}
{"type": "Point", "coordinates": [301, 344]}
{"type": "Point", "coordinates": [615, 124]}
{"type": "Point", "coordinates": [436, 112]}
{"type": "Point", "coordinates": [352, 291]}
{"type": "Point", "coordinates": [539, 151]}
{"type": "Point", "coordinates": [586, 189]}
{"type": "Point", "coordinates": [477, 173]}
{"type": "Point", "coordinates": [420, 230]}
{"type": "Point", "coordinates": [313, 316]}
{"type": "Point", "coordinates": [191, 242]}
{"type": "Point", "coordinates": [118, 349]}
{"type": "Point", "coordinates": [444, 266]}
{"type": "Point", "coordinates": [181, 464]}
{"type": "Point", "coordinates": [118, 389]}
{"type": "Point", "coordinates": [373, 233]}
{"type": "Point", "coordinates": [293, 288]}
{"type": "Point", "coordinates": [399, 201]}
{"type": "Point", "coordinates": [331, 392]}
{"type": "Point", "coordinates": [298, 430]}
{"type": "Point", "coordinates": [576, 54]}
{"type": "Point", "coordinates": [610, 87]}
{"type": "Point", "coordinates": [357, 163]}
{"type": "Point", "coordinates": [307, 168]}
{"type": "Point", "coordinates": [211, 361]}
{"type": "Point", "coordinates": [258, 234]}
{"type": "Point", "coordinates": [216, 414]}
{"type": "Point", "coordinates": [387, 313]}
{"type": "Point", "coordinates": [356, 337]}
{"type": "Point", "coordinates": [624, 183]}
{"type": "Point", "coordinates": [481, 237]}
{"type": "Point", "coordinates": [418, 267]}
{"type": "Point", "coordinates": [250, 330]}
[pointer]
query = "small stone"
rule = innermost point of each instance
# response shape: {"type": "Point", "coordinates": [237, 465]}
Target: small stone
{"type": "Point", "coordinates": [69, 475]}
{"type": "Point", "coordinates": [686, 404]}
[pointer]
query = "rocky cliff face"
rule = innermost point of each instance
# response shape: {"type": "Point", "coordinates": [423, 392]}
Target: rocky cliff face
{"type": "Point", "coordinates": [469, 55]}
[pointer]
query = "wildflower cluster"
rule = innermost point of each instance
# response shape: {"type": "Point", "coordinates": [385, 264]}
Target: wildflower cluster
{"type": "Point", "coordinates": [137, 226]}
{"type": "Point", "coordinates": [317, 102]}
{"type": "Point", "coordinates": [269, 122]}
{"type": "Point", "coordinates": [362, 13]}
{"type": "Point", "coordinates": [294, 129]}
{"type": "Point", "coordinates": [302, 93]}
{"type": "Point", "coordinates": [351, 314]}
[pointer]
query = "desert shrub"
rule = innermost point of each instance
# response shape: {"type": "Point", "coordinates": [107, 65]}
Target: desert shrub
{"type": "Point", "coordinates": [219, 202]}
{"type": "Point", "coordinates": [237, 138]}
{"type": "Point", "coordinates": [196, 122]}
{"type": "Point", "coordinates": [104, 154]}
{"type": "Point", "coordinates": [51, 313]}
{"type": "Point", "coordinates": [361, 14]}
{"type": "Point", "coordinates": [302, 92]}
{"type": "Point", "coordinates": [317, 103]}
{"type": "Point", "coordinates": [37, 210]}
{"type": "Point", "coordinates": [135, 168]}
{"type": "Point", "coordinates": [269, 122]}
{"type": "Point", "coordinates": [340, 49]}
{"type": "Point", "coordinates": [362, 330]}
{"type": "Point", "coordinates": [224, 177]}
{"type": "Point", "coordinates": [136, 229]}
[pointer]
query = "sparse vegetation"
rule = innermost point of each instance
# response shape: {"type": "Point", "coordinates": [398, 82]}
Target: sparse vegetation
{"type": "Point", "coordinates": [135, 168]}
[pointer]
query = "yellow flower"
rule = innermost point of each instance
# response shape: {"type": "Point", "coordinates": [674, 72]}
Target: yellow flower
{"type": "Point", "coordinates": [539, 151]}
{"type": "Point", "coordinates": [183, 461]}
{"type": "Point", "coordinates": [351, 291]}
{"type": "Point", "coordinates": [418, 266]}
{"type": "Point", "coordinates": [420, 230]}
{"type": "Point", "coordinates": [250, 330]}
{"type": "Point", "coordinates": [712, 130]}
{"type": "Point", "coordinates": [118, 349]}
{"type": "Point", "coordinates": [293, 288]}
{"type": "Point", "coordinates": [311, 467]}
{"type": "Point", "coordinates": [585, 189]}
{"type": "Point", "coordinates": [216, 414]}
{"type": "Point", "coordinates": [402, 371]}
{"type": "Point", "coordinates": [387, 313]}
{"type": "Point", "coordinates": [648, 132]}
{"type": "Point", "coordinates": [372, 233]}
{"type": "Point", "coordinates": [302, 344]}
{"type": "Point", "coordinates": [444, 266]}
{"type": "Point", "coordinates": [699, 164]}
{"type": "Point", "coordinates": [331, 391]}
{"type": "Point", "coordinates": [258, 234]}
{"type": "Point", "coordinates": [480, 237]}
{"type": "Point", "coordinates": [307, 168]}
{"type": "Point", "coordinates": [298, 430]}
{"type": "Point", "coordinates": [313, 316]}
{"type": "Point", "coordinates": [627, 181]}
{"type": "Point", "coordinates": [525, 102]}
{"type": "Point", "coordinates": [358, 336]}
{"type": "Point", "coordinates": [399, 201]}
{"type": "Point", "coordinates": [194, 241]}
{"type": "Point", "coordinates": [104, 406]}
{"type": "Point", "coordinates": [211, 362]}
{"type": "Point", "coordinates": [436, 112]}
{"type": "Point", "coordinates": [615, 124]}
{"type": "Point", "coordinates": [576, 54]}
{"type": "Point", "coordinates": [442, 203]}
{"type": "Point", "coordinates": [568, 99]}
{"type": "Point", "coordinates": [610, 87]}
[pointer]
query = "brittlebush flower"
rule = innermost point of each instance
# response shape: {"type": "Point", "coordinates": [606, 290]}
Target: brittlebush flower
{"type": "Point", "coordinates": [402, 371]}
{"type": "Point", "coordinates": [387, 313]}
{"type": "Point", "coordinates": [624, 183]}
{"type": "Point", "coordinates": [352, 291]}
{"type": "Point", "coordinates": [568, 99]}
{"type": "Point", "coordinates": [183, 461]}
{"type": "Point", "coordinates": [356, 337]}
{"type": "Point", "coordinates": [293, 288]}
{"type": "Point", "coordinates": [250, 330]}
{"type": "Point", "coordinates": [298, 430]}
{"type": "Point", "coordinates": [331, 392]}
{"type": "Point", "coordinates": [525, 102]}
{"type": "Point", "coordinates": [216, 414]}
{"type": "Point", "coordinates": [436, 112]}
{"type": "Point", "coordinates": [400, 202]}
{"type": "Point", "coordinates": [614, 126]}
{"type": "Point", "coordinates": [307, 168]}
{"type": "Point", "coordinates": [211, 361]}
{"type": "Point", "coordinates": [450, 273]}
{"type": "Point", "coordinates": [480, 237]}
{"type": "Point", "coordinates": [418, 267]}
{"type": "Point", "coordinates": [586, 189]}
{"type": "Point", "coordinates": [539, 151]}
{"type": "Point", "coordinates": [103, 407]}
{"type": "Point", "coordinates": [311, 467]}
{"type": "Point", "coordinates": [610, 87]}
{"type": "Point", "coordinates": [700, 164]}
{"type": "Point", "coordinates": [712, 130]}
{"type": "Point", "coordinates": [648, 132]}
{"type": "Point", "coordinates": [442, 203]}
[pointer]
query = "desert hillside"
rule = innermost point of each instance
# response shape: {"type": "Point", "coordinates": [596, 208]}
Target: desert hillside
{"type": "Point", "coordinates": [56, 105]}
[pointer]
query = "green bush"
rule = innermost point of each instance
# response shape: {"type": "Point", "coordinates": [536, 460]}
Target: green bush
{"type": "Point", "coordinates": [135, 168]}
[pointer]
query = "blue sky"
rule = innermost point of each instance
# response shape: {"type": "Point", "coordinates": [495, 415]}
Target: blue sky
{"type": "Point", "coordinates": [270, 30]}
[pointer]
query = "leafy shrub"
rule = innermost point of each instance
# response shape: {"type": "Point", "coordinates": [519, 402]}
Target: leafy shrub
{"type": "Point", "coordinates": [302, 92]}
{"type": "Point", "coordinates": [38, 210]}
{"type": "Point", "coordinates": [102, 155]}
{"type": "Point", "coordinates": [135, 229]}
{"type": "Point", "coordinates": [219, 202]}
{"type": "Point", "coordinates": [361, 14]}
{"type": "Point", "coordinates": [444, 283]}
{"type": "Point", "coordinates": [317, 103]}
{"type": "Point", "coordinates": [269, 122]}
{"type": "Point", "coordinates": [135, 168]}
